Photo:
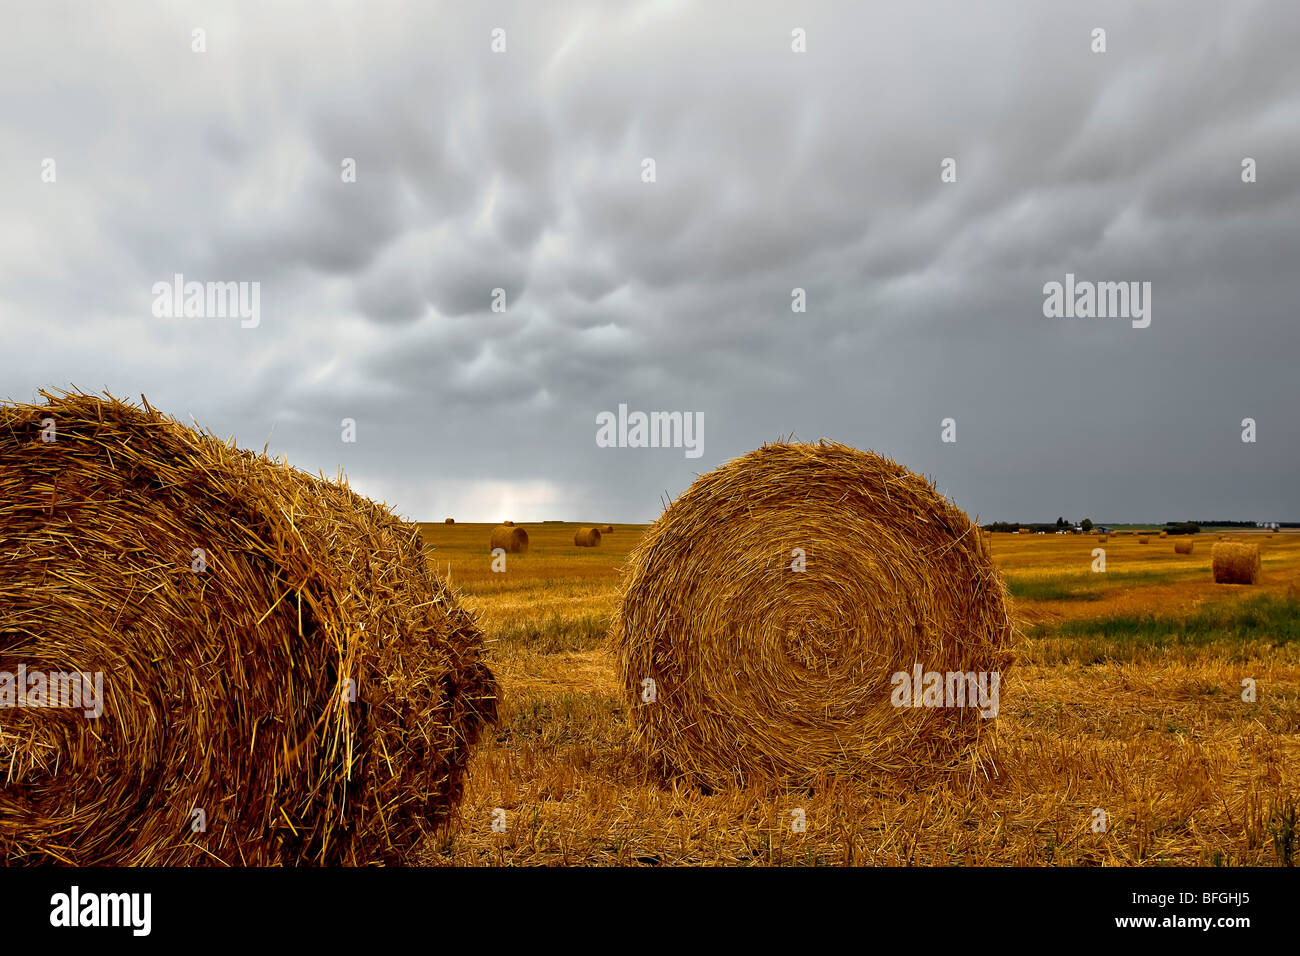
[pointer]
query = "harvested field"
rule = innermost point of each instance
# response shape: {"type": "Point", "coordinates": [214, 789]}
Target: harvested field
{"type": "Point", "coordinates": [1125, 696]}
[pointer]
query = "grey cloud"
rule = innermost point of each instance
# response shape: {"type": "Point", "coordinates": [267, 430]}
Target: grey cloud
{"type": "Point", "coordinates": [775, 170]}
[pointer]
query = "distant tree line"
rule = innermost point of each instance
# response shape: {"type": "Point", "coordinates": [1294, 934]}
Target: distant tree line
{"type": "Point", "coordinates": [1248, 524]}
{"type": "Point", "coordinates": [1060, 525]}
{"type": "Point", "coordinates": [1173, 527]}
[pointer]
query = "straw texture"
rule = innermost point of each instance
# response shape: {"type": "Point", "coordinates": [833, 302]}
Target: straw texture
{"type": "Point", "coordinates": [762, 671]}
{"type": "Point", "coordinates": [587, 537]}
{"type": "Point", "coordinates": [275, 651]}
{"type": "Point", "coordinates": [1235, 562]}
{"type": "Point", "coordinates": [509, 538]}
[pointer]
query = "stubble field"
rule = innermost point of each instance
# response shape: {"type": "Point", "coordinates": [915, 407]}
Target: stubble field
{"type": "Point", "coordinates": [1125, 705]}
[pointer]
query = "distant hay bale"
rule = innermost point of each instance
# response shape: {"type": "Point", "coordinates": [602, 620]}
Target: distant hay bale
{"type": "Point", "coordinates": [1143, 539]}
{"type": "Point", "coordinates": [587, 537]}
{"type": "Point", "coordinates": [449, 521]}
{"type": "Point", "coordinates": [509, 538]}
{"type": "Point", "coordinates": [765, 606]}
{"type": "Point", "coordinates": [1235, 562]}
{"type": "Point", "coordinates": [1164, 534]}
{"type": "Point", "coordinates": [1102, 539]}
{"type": "Point", "coordinates": [507, 524]}
{"type": "Point", "coordinates": [1183, 546]}
{"type": "Point", "coordinates": [608, 528]}
{"type": "Point", "coordinates": [274, 650]}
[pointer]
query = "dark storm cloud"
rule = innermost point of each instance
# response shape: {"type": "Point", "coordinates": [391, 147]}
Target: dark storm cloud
{"type": "Point", "coordinates": [522, 171]}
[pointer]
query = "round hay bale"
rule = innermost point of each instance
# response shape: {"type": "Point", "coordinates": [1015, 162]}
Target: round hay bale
{"type": "Point", "coordinates": [1164, 534]}
{"type": "Point", "coordinates": [510, 538]}
{"type": "Point", "coordinates": [587, 537]}
{"type": "Point", "coordinates": [1183, 546]}
{"type": "Point", "coordinates": [1102, 539]}
{"type": "Point", "coordinates": [507, 524]}
{"type": "Point", "coordinates": [1024, 531]}
{"type": "Point", "coordinates": [775, 605]}
{"type": "Point", "coordinates": [1235, 563]}
{"type": "Point", "coordinates": [448, 520]}
{"type": "Point", "coordinates": [1143, 539]}
{"type": "Point", "coordinates": [608, 528]}
{"type": "Point", "coordinates": [273, 649]}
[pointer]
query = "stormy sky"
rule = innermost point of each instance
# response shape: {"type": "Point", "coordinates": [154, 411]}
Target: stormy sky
{"type": "Point", "coordinates": [523, 171]}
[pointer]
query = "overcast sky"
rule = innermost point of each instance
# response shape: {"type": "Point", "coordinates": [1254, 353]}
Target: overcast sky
{"type": "Point", "coordinates": [774, 170]}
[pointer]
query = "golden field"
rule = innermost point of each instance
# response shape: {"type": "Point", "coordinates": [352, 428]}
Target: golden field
{"type": "Point", "coordinates": [1125, 698]}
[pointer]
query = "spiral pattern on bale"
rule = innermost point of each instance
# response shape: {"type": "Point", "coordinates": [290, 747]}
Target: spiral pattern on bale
{"type": "Point", "coordinates": [285, 680]}
{"type": "Point", "coordinates": [763, 671]}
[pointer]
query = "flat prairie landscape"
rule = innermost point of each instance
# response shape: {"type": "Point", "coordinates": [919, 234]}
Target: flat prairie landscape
{"type": "Point", "coordinates": [1123, 737]}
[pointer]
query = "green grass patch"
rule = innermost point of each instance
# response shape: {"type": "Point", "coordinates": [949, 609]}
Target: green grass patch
{"type": "Point", "coordinates": [1088, 586]}
{"type": "Point", "coordinates": [555, 634]}
{"type": "Point", "coordinates": [1266, 618]}
{"type": "Point", "coordinates": [1235, 626]}
{"type": "Point", "coordinates": [1052, 589]}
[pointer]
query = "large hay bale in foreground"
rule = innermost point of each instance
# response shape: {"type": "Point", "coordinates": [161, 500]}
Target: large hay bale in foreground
{"type": "Point", "coordinates": [1235, 563]}
{"type": "Point", "coordinates": [775, 603]}
{"type": "Point", "coordinates": [587, 537]}
{"type": "Point", "coordinates": [278, 660]}
{"type": "Point", "coordinates": [509, 538]}
{"type": "Point", "coordinates": [1183, 546]}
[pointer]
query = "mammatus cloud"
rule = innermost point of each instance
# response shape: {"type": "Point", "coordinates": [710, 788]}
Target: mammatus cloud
{"type": "Point", "coordinates": [498, 271]}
